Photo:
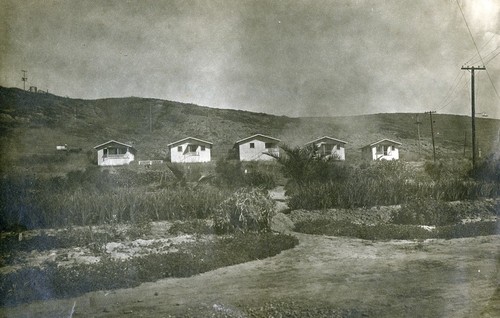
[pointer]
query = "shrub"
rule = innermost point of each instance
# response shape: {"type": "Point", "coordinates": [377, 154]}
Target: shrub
{"type": "Point", "coordinates": [441, 170]}
{"type": "Point", "coordinates": [248, 209]}
{"type": "Point", "coordinates": [191, 227]}
{"type": "Point", "coordinates": [427, 212]}
{"type": "Point", "coordinates": [229, 172]}
{"type": "Point", "coordinates": [487, 170]}
{"type": "Point", "coordinates": [468, 230]}
{"type": "Point", "coordinates": [366, 232]}
{"type": "Point", "coordinates": [303, 165]}
{"type": "Point", "coordinates": [394, 231]}
{"type": "Point", "coordinates": [260, 179]}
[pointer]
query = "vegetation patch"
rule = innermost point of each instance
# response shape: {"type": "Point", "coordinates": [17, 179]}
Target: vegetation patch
{"type": "Point", "coordinates": [394, 231]}
{"type": "Point", "coordinates": [53, 281]}
{"type": "Point", "coordinates": [434, 212]}
{"type": "Point", "coordinates": [319, 183]}
{"type": "Point", "coordinates": [31, 203]}
{"type": "Point", "coordinates": [246, 210]}
{"type": "Point", "coordinates": [233, 173]}
{"type": "Point", "coordinates": [277, 308]}
{"type": "Point", "coordinates": [191, 227]}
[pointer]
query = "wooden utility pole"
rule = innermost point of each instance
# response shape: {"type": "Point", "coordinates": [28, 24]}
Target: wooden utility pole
{"type": "Point", "coordinates": [465, 142]}
{"type": "Point", "coordinates": [473, 108]}
{"type": "Point", "coordinates": [418, 132]}
{"type": "Point", "coordinates": [432, 134]}
{"type": "Point", "coordinates": [24, 78]}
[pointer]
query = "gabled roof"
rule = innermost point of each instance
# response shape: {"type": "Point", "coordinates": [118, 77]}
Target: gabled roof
{"type": "Point", "coordinates": [112, 142]}
{"type": "Point", "coordinates": [187, 139]}
{"type": "Point", "coordinates": [326, 137]}
{"type": "Point", "coordinates": [383, 141]}
{"type": "Point", "coordinates": [257, 136]}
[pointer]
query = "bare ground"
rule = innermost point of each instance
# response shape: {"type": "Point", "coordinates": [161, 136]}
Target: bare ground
{"type": "Point", "coordinates": [435, 278]}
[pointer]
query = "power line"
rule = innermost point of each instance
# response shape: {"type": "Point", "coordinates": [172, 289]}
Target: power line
{"type": "Point", "coordinates": [452, 87]}
{"type": "Point", "coordinates": [492, 57]}
{"type": "Point", "coordinates": [475, 45]}
{"type": "Point", "coordinates": [452, 96]}
{"type": "Point", "coordinates": [471, 36]}
{"type": "Point", "coordinates": [482, 47]}
{"type": "Point", "coordinates": [485, 57]}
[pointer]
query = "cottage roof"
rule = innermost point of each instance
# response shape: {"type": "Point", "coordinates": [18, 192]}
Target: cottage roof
{"type": "Point", "coordinates": [387, 141]}
{"type": "Point", "coordinates": [257, 136]}
{"type": "Point", "coordinates": [187, 139]}
{"type": "Point", "coordinates": [326, 138]}
{"type": "Point", "coordinates": [112, 142]}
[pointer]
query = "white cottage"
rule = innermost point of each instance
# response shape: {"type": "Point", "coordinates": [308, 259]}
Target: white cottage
{"type": "Point", "coordinates": [257, 148]}
{"type": "Point", "coordinates": [329, 147]}
{"type": "Point", "coordinates": [190, 149]}
{"type": "Point", "coordinates": [114, 153]}
{"type": "Point", "coordinates": [384, 149]}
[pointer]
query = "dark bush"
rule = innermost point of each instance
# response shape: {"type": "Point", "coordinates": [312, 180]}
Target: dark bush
{"type": "Point", "coordinates": [248, 209]}
{"type": "Point", "coordinates": [259, 179]}
{"type": "Point", "coordinates": [191, 227]}
{"type": "Point", "coordinates": [454, 169]}
{"type": "Point", "coordinates": [366, 232]}
{"type": "Point", "coordinates": [427, 212]}
{"type": "Point", "coordinates": [229, 172]}
{"type": "Point", "coordinates": [473, 229]}
{"type": "Point", "coordinates": [487, 169]}
{"type": "Point", "coordinates": [395, 231]}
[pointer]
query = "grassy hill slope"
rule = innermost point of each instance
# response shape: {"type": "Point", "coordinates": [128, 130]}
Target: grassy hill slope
{"type": "Point", "coordinates": [32, 124]}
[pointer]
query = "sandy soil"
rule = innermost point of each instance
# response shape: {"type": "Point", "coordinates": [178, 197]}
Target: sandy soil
{"type": "Point", "coordinates": [356, 278]}
{"type": "Point", "coordinates": [435, 278]}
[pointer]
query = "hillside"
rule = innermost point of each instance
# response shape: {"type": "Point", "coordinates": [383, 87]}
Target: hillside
{"type": "Point", "coordinates": [32, 124]}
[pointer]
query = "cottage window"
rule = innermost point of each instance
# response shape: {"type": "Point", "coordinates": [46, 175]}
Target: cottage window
{"type": "Point", "coordinates": [179, 148]}
{"type": "Point", "coordinates": [386, 150]}
{"type": "Point", "coordinates": [327, 149]}
{"type": "Point", "coordinates": [202, 148]}
{"type": "Point", "coordinates": [192, 148]}
{"type": "Point", "coordinates": [114, 151]}
{"type": "Point", "coordinates": [252, 145]}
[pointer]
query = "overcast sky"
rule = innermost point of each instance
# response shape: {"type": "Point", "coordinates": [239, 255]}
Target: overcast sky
{"type": "Point", "coordinates": [294, 58]}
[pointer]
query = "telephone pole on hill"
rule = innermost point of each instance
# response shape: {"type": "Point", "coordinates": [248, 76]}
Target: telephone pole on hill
{"type": "Point", "coordinates": [24, 78]}
{"type": "Point", "coordinates": [432, 134]}
{"type": "Point", "coordinates": [418, 122]}
{"type": "Point", "coordinates": [473, 108]}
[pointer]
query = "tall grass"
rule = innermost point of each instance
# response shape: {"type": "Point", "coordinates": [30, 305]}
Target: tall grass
{"type": "Point", "coordinates": [127, 194]}
{"type": "Point", "coordinates": [366, 192]}
{"type": "Point", "coordinates": [316, 183]}
{"type": "Point", "coordinates": [35, 204]}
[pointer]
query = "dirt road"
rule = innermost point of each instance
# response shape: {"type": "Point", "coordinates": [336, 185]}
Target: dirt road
{"type": "Point", "coordinates": [437, 278]}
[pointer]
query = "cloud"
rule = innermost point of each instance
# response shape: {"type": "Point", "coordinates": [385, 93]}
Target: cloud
{"type": "Point", "coordinates": [301, 58]}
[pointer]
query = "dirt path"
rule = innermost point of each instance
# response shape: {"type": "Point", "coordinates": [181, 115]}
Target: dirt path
{"type": "Point", "coordinates": [438, 278]}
